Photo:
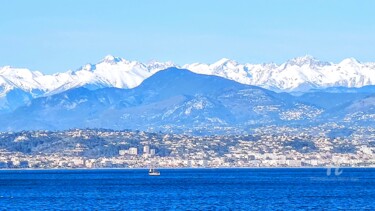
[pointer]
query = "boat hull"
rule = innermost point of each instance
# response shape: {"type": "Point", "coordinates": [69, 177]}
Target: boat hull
{"type": "Point", "coordinates": [154, 174]}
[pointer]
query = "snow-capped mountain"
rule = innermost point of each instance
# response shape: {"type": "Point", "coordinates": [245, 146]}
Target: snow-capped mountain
{"type": "Point", "coordinates": [298, 74]}
{"type": "Point", "coordinates": [178, 99]}
{"type": "Point", "coordinates": [169, 99]}
{"type": "Point", "coordinates": [109, 72]}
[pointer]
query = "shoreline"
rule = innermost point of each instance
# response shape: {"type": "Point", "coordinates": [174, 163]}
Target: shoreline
{"type": "Point", "coordinates": [182, 168]}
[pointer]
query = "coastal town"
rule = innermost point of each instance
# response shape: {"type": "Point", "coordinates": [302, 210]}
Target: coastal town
{"type": "Point", "coordinates": [269, 146]}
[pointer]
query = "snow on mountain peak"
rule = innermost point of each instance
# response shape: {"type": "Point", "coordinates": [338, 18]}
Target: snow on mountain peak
{"type": "Point", "coordinates": [225, 62]}
{"type": "Point", "coordinates": [350, 61]}
{"type": "Point", "coordinates": [19, 72]}
{"type": "Point", "coordinates": [113, 71]}
{"type": "Point", "coordinates": [111, 59]}
{"type": "Point", "coordinates": [298, 74]}
{"type": "Point", "coordinates": [88, 67]}
{"type": "Point", "coordinates": [306, 60]}
{"type": "Point", "coordinates": [226, 68]}
{"type": "Point", "coordinates": [4, 68]}
{"type": "Point", "coordinates": [155, 66]}
{"type": "Point", "coordinates": [157, 63]}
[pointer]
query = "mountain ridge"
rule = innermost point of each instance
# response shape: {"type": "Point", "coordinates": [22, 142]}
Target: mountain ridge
{"type": "Point", "coordinates": [117, 72]}
{"type": "Point", "coordinates": [172, 98]}
{"type": "Point", "coordinates": [297, 75]}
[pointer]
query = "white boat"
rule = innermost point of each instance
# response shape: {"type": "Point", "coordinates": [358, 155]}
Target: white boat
{"type": "Point", "coordinates": [153, 172]}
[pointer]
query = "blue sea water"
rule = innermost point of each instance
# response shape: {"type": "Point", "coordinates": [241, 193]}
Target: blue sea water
{"type": "Point", "coordinates": [187, 189]}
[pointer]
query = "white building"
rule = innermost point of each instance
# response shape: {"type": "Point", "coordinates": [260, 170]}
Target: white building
{"type": "Point", "coordinates": [152, 151]}
{"type": "Point", "coordinates": [133, 151]}
{"type": "Point", "coordinates": [123, 152]}
{"type": "Point", "coordinates": [146, 149]}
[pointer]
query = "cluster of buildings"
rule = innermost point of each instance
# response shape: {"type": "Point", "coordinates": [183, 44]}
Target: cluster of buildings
{"type": "Point", "coordinates": [146, 152]}
{"type": "Point", "coordinates": [270, 146]}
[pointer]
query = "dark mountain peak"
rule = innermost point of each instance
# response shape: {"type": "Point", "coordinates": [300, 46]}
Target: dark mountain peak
{"type": "Point", "coordinates": [182, 81]}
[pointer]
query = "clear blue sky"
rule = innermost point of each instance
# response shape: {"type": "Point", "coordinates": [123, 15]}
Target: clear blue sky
{"type": "Point", "coordinates": [54, 36]}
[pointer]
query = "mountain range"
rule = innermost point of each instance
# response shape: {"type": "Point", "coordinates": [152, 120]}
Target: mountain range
{"type": "Point", "coordinates": [178, 100]}
{"type": "Point", "coordinates": [298, 74]}
{"type": "Point", "coordinates": [172, 98]}
{"type": "Point", "coordinates": [21, 85]}
{"type": "Point", "coordinates": [118, 94]}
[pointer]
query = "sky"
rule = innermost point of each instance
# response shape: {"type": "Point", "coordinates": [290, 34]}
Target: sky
{"type": "Point", "coordinates": [55, 36]}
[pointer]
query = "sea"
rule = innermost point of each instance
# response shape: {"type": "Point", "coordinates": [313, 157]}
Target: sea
{"type": "Point", "coordinates": [189, 189]}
